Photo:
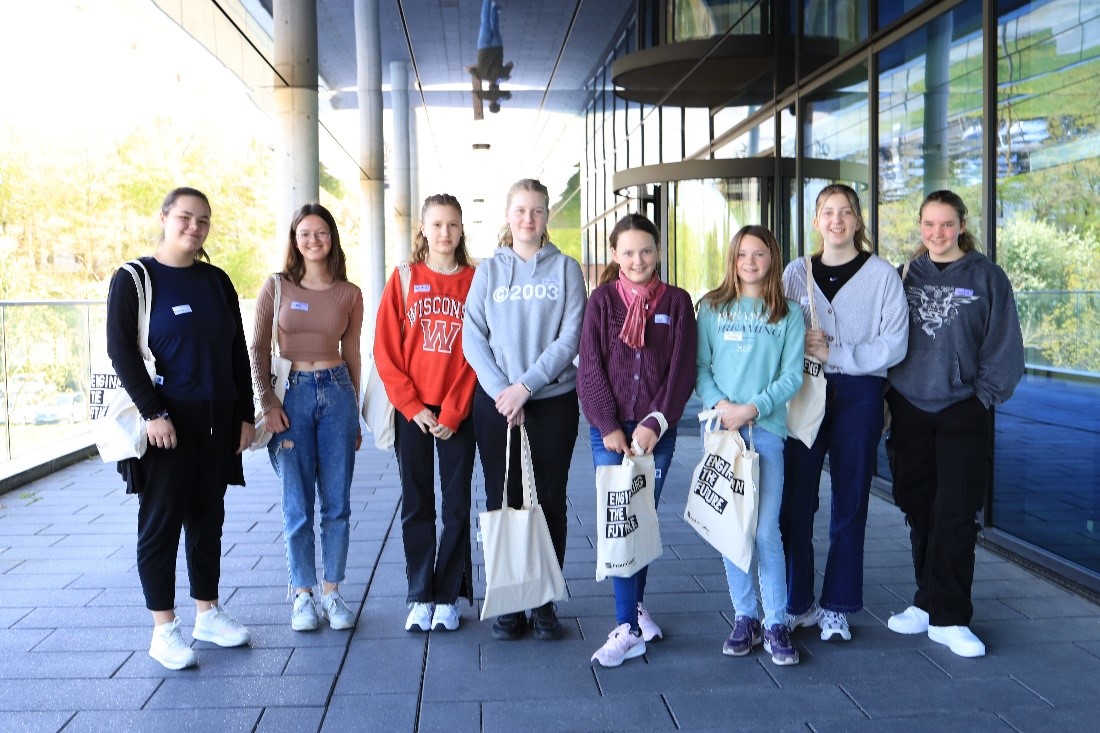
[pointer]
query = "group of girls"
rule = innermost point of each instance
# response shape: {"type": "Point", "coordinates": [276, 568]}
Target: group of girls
{"type": "Point", "coordinates": [467, 355]}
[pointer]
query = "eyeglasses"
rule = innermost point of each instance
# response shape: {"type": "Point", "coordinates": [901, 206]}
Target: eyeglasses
{"type": "Point", "coordinates": [310, 236]}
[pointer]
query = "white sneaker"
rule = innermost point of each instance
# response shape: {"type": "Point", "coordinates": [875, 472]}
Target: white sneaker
{"type": "Point", "coordinates": [218, 627]}
{"type": "Point", "coordinates": [304, 615]}
{"type": "Point", "coordinates": [649, 627]}
{"type": "Point", "coordinates": [620, 645]}
{"type": "Point", "coordinates": [832, 624]}
{"type": "Point", "coordinates": [959, 639]}
{"type": "Point", "coordinates": [420, 617]}
{"type": "Point", "coordinates": [910, 621]}
{"type": "Point", "coordinates": [446, 615]}
{"type": "Point", "coordinates": [807, 619]}
{"type": "Point", "coordinates": [169, 648]}
{"type": "Point", "coordinates": [339, 615]}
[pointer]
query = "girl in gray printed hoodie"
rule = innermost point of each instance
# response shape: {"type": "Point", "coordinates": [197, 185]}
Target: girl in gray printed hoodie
{"type": "Point", "coordinates": [521, 332]}
{"type": "Point", "coordinates": [965, 356]}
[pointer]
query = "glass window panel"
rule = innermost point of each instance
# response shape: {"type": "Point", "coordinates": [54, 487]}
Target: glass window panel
{"type": "Point", "coordinates": [1046, 480]}
{"type": "Point", "coordinates": [754, 143]}
{"type": "Point", "coordinates": [843, 22]}
{"type": "Point", "coordinates": [672, 144]}
{"type": "Point", "coordinates": [689, 19]}
{"type": "Point", "coordinates": [787, 130]}
{"type": "Point", "coordinates": [651, 136]}
{"type": "Point", "coordinates": [706, 215]}
{"type": "Point", "coordinates": [696, 130]}
{"type": "Point", "coordinates": [930, 106]}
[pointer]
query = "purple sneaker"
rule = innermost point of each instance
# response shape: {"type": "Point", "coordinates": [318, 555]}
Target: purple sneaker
{"type": "Point", "coordinates": [745, 635]}
{"type": "Point", "coordinates": [777, 642]}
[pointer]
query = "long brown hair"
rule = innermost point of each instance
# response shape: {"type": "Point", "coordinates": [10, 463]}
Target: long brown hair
{"type": "Point", "coordinates": [861, 239]}
{"type": "Point", "coordinates": [627, 223]}
{"type": "Point", "coordinates": [420, 242]}
{"type": "Point", "coordinates": [967, 241]}
{"type": "Point", "coordinates": [525, 184]}
{"type": "Point", "coordinates": [294, 268]}
{"type": "Point", "coordinates": [771, 291]}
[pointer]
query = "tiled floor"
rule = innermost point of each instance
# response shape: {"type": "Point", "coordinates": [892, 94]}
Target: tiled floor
{"type": "Point", "coordinates": [74, 634]}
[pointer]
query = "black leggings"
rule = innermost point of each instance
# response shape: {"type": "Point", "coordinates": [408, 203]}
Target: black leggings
{"type": "Point", "coordinates": [552, 427]}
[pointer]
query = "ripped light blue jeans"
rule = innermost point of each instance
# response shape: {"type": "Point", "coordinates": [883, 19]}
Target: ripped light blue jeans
{"type": "Point", "coordinates": [314, 458]}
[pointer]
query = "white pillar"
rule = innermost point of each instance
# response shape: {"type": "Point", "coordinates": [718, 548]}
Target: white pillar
{"type": "Point", "coordinates": [399, 156]}
{"type": "Point", "coordinates": [297, 150]}
{"type": "Point", "coordinates": [368, 42]}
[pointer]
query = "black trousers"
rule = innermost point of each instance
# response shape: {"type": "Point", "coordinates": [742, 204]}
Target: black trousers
{"type": "Point", "coordinates": [941, 471]}
{"type": "Point", "coordinates": [184, 489]}
{"type": "Point", "coordinates": [552, 427]}
{"type": "Point", "coordinates": [443, 573]}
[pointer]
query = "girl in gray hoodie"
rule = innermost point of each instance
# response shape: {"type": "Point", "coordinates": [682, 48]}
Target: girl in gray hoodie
{"type": "Point", "coordinates": [965, 356]}
{"type": "Point", "coordinates": [521, 332]}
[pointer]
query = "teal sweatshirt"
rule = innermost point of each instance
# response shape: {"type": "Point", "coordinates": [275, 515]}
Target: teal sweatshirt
{"type": "Point", "coordinates": [743, 359]}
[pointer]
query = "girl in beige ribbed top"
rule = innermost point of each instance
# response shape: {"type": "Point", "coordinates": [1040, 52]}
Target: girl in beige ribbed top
{"type": "Point", "coordinates": [316, 428]}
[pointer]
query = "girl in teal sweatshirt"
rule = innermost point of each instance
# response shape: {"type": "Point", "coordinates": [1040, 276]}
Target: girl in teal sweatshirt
{"type": "Point", "coordinates": [749, 364]}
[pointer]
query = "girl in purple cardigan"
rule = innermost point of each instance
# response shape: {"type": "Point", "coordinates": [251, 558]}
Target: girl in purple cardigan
{"type": "Point", "coordinates": [636, 373]}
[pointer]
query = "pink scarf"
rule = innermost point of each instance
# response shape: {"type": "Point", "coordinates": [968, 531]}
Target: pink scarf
{"type": "Point", "coordinates": [637, 299]}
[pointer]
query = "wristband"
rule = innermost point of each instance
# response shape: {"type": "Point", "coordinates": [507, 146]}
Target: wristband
{"type": "Point", "coordinates": [525, 387]}
{"type": "Point", "coordinates": [158, 416]}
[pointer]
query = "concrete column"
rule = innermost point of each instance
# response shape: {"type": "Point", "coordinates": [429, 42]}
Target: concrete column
{"type": "Point", "coordinates": [372, 182]}
{"type": "Point", "coordinates": [400, 167]}
{"type": "Point", "coordinates": [297, 150]}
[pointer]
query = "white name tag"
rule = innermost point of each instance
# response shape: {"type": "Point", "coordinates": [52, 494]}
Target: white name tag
{"type": "Point", "coordinates": [733, 336]}
{"type": "Point", "coordinates": [662, 318]}
{"type": "Point", "coordinates": [179, 310]}
{"type": "Point", "coordinates": [424, 288]}
{"type": "Point", "coordinates": [964, 292]}
{"type": "Point", "coordinates": [297, 305]}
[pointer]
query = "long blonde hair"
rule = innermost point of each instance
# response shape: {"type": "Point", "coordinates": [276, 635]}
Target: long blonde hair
{"type": "Point", "coordinates": [861, 239]}
{"type": "Point", "coordinates": [533, 185]}
{"type": "Point", "coordinates": [771, 290]}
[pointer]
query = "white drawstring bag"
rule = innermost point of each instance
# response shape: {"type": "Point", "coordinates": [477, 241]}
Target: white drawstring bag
{"type": "Point", "coordinates": [280, 370]}
{"type": "Point", "coordinates": [628, 536]}
{"type": "Point", "coordinates": [806, 409]}
{"type": "Point", "coordinates": [723, 502]}
{"type": "Point", "coordinates": [378, 411]}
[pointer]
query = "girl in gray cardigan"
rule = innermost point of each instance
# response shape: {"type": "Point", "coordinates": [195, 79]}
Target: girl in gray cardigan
{"type": "Point", "coordinates": [863, 332]}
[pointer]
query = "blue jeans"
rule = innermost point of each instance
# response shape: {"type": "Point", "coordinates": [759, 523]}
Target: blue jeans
{"type": "Point", "coordinates": [315, 456]}
{"type": "Point", "coordinates": [630, 591]}
{"type": "Point", "coordinates": [767, 560]}
{"type": "Point", "coordinates": [850, 433]}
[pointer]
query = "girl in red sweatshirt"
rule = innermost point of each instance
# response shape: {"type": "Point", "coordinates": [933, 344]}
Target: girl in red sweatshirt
{"type": "Point", "coordinates": [418, 353]}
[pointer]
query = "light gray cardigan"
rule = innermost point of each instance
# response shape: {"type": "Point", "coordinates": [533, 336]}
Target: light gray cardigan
{"type": "Point", "coordinates": [867, 324]}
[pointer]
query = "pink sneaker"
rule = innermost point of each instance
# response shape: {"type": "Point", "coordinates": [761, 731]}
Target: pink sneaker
{"type": "Point", "coordinates": [649, 627]}
{"type": "Point", "coordinates": [620, 645]}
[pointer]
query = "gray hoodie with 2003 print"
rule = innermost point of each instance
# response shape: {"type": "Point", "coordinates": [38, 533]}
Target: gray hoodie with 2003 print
{"type": "Point", "coordinates": [523, 321]}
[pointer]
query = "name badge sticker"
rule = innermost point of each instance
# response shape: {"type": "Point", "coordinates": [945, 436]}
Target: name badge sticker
{"type": "Point", "coordinates": [964, 292]}
{"type": "Point", "coordinates": [297, 305]}
{"type": "Point", "coordinates": [733, 336]}
{"type": "Point", "coordinates": [422, 288]}
{"type": "Point", "coordinates": [662, 319]}
{"type": "Point", "coordinates": [179, 310]}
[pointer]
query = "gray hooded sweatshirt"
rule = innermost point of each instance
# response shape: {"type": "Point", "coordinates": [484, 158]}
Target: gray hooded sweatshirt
{"type": "Point", "coordinates": [523, 322]}
{"type": "Point", "coordinates": [964, 335]}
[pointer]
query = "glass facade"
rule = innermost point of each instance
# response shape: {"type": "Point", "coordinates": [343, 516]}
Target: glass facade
{"type": "Point", "coordinates": [898, 99]}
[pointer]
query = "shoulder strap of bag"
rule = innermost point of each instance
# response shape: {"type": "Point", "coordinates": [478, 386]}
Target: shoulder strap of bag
{"type": "Point", "coordinates": [404, 275]}
{"type": "Point", "coordinates": [810, 293]}
{"type": "Point", "coordinates": [526, 468]}
{"type": "Point", "coordinates": [278, 298]}
{"type": "Point", "coordinates": [905, 271]}
{"type": "Point", "coordinates": [145, 304]}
